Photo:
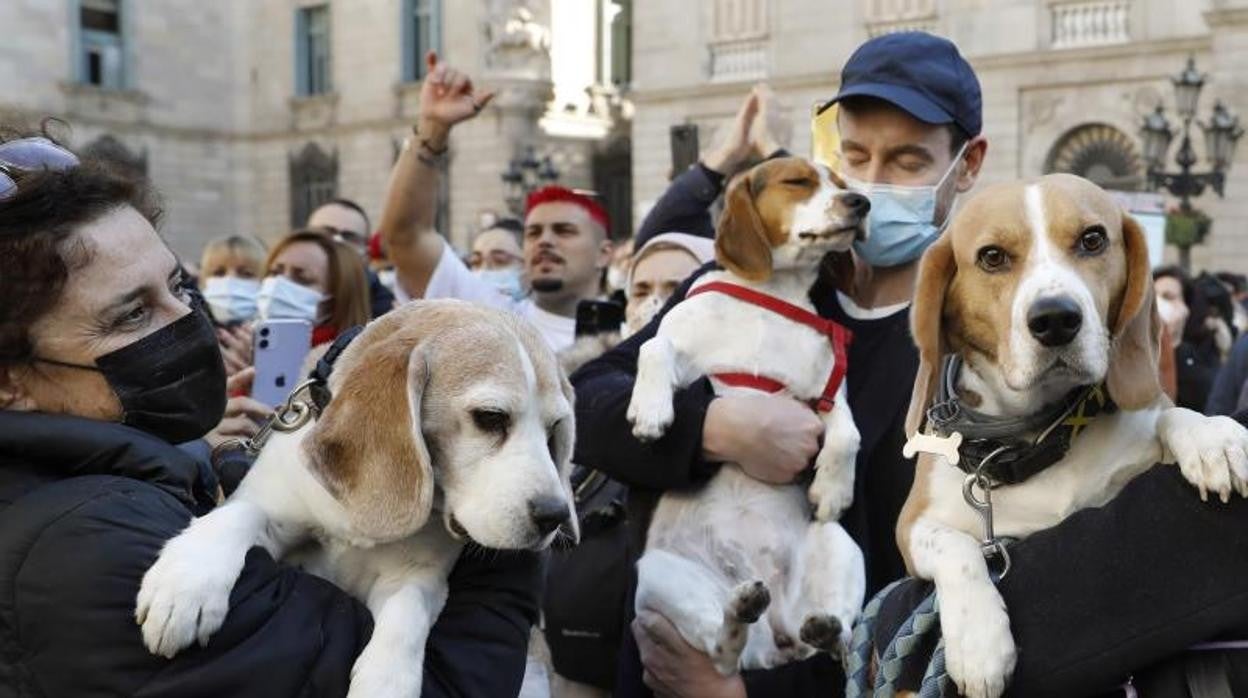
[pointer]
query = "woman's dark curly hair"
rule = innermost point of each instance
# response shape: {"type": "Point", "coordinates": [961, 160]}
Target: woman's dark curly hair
{"type": "Point", "coordinates": [39, 245]}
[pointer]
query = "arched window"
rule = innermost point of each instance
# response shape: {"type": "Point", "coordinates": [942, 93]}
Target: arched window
{"type": "Point", "coordinates": [1101, 153]}
{"type": "Point", "coordinates": [313, 181]}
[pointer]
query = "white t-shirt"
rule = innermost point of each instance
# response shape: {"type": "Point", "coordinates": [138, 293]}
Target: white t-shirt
{"type": "Point", "coordinates": [452, 279]}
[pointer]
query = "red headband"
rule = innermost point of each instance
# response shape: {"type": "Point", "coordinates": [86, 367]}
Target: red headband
{"type": "Point", "coordinates": [375, 250]}
{"type": "Point", "coordinates": [555, 194]}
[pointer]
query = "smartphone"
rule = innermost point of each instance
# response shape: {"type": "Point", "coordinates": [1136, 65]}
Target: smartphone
{"type": "Point", "coordinates": [596, 317]}
{"type": "Point", "coordinates": [280, 349]}
{"type": "Point", "coordinates": [684, 141]}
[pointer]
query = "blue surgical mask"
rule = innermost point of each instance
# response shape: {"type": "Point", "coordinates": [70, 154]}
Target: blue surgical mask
{"type": "Point", "coordinates": [902, 222]}
{"type": "Point", "coordinates": [282, 299]}
{"type": "Point", "coordinates": [507, 281]}
{"type": "Point", "coordinates": [232, 299]}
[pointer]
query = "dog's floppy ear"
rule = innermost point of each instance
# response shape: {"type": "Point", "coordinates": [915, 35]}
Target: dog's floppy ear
{"type": "Point", "coordinates": [935, 272]}
{"type": "Point", "coordinates": [1133, 379]}
{"type": "Point", "coordinates": [367, 448]}
{"type": "Point", "coordinates": [741, 243]}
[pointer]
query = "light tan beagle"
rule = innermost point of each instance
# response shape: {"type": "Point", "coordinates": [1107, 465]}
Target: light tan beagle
{"type": "Point", "coordinates": [449, 422]}
{"type": "Point", "coordinates": [1043, 291]}
{"type": "Point", "coordinates": [717, 559]}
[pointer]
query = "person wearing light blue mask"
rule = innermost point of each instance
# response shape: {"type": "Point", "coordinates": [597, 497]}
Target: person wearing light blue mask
{"type": "Point", "coordinates": [497, 257]}
{"type": "Point", "coordinates": [904, 219]}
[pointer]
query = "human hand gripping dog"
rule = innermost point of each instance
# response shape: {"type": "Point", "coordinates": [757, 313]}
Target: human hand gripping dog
{"type": "Point", "coordinates": [1038, 339]}
{"type": "Point", "coordinates": [386, 516]}
{"type": "Point", "coordinates": [753, 331]}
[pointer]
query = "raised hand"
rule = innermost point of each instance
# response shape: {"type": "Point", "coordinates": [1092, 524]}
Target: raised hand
{"type": "Point", "coordinates": [734, 147]}
{"type": "Point", "coordinates": [448, 96]}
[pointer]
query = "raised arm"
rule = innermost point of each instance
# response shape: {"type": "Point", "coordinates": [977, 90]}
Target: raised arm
{"type": "Point", "coordinates": [447, 97]}
{"type": "Point", "coordinates": [758, 131]}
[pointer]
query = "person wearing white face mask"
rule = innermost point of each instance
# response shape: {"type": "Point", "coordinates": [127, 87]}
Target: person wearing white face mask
{"type": "Point", "coordinates": [498, 258]}
{"type": "Point", "coordinates": [311, 277]}
{"type": "Point", "coordinates": [229, 279]}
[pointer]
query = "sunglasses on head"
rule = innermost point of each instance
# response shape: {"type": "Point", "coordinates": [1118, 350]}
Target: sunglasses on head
{"type": "Point", "coordinates": [30, 155]}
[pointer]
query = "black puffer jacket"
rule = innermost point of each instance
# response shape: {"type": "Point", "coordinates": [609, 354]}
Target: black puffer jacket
{"type": "Point", "coordinates": [85, 507]}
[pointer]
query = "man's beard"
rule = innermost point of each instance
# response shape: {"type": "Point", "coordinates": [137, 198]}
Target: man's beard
{"type": "Point", "coordinates": [546, 285]}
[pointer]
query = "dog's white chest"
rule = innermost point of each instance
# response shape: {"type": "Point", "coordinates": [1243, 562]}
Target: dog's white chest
{"type": "Point", "coordinates": [1099, 463]}
{"type": "Point", "coordinates": [720, 334]}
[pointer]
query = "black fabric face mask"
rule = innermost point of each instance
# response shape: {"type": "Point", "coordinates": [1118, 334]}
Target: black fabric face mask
{"type": "Point", "coordinates": [171, 383]}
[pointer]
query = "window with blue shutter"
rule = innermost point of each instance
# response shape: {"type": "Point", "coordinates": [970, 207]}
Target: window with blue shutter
{"type": "Point", "coordinates": [313, 65]}
{"type": "Point", "coordinates": [422, 32]}
{"type": "Point", "coordinates": [101, 46]}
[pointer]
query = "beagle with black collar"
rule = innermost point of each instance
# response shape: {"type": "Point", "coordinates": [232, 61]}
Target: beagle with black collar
{"type": "Point", "coordinates": [449, 422]}
{"type": "Point", "coordinates": [1042, 293]}
{"type": "Point", "coordinates": [720, 558]}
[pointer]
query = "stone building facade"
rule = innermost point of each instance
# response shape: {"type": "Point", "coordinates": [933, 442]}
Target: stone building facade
{"type": "Point", "coordinates": [246, 113]}
{"type": "Point", "coordinates": [1066, 82]}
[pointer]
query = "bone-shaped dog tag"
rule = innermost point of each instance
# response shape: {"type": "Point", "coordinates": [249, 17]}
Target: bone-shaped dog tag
{"type": "Point", "coordinates": [946, 446]}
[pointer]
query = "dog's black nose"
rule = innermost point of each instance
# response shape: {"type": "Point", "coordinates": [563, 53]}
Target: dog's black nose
{"type": "Point", "coordinates": [1055, 321]}
{"type": "Point", "coordinates": [548, 513]}
{"type": "Point", "coordinates": [857, 204]}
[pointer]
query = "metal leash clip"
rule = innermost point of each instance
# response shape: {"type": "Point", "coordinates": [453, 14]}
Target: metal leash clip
{"type": "Point", "coordinates": [992, 547]}
{"type": "Point", "coordinates": [289, 417]}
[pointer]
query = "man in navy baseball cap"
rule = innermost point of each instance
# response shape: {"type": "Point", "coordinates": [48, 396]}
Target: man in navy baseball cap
{"type": "Point", "coordinates": [910, 122]}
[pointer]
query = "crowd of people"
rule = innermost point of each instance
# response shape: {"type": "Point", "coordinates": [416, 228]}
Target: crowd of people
{"type": "Point", "coordinates": [126, 387]}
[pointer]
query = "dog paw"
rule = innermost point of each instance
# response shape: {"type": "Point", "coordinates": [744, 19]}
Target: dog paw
{"type": "Point", "coordinates": [650, 417]}
{"type": "Point", "coordinates": [380, 672]}
{"type": "Point", "coordinates": [1212, 452]}
{"type": "Point", "coordinates": [826, 632]}
{"type": "Point", "coordinates": [749, 601]}
{"type": "Point", "coordinates": [832, 490]}
{"type": "Point", "coordinates": [183, 598]}
{"type": "Point", "coordinates": [979, 648]}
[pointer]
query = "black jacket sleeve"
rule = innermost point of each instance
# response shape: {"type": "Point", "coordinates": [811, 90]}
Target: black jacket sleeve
{"type": "Point", "coordinates": [684, 206]}
{"type": "Point", "coordinates": [287, 633]}
{"type": "Point", "coordinates": [480, 641]}
{"type": "Point", "coordinates": [604, 436]}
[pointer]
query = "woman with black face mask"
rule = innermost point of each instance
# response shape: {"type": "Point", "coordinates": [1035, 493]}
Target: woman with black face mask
{"type": "Point", "coordinates": [105, 362]}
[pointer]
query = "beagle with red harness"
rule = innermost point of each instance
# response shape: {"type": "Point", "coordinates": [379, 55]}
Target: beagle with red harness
{"type": "Point", "coordinates": [1037, 396]}
{"type": "Point", "coordinates": [720, 558]}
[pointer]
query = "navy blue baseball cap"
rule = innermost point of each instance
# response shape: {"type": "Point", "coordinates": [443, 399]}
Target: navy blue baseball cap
{"type": "Point", "coordinates": [921, 74]}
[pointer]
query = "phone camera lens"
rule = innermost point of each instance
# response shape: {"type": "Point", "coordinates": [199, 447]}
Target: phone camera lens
{"type": "Point", "coordinates": [264, 332]}
{"type": "Point", "coordinates": [264, 344]}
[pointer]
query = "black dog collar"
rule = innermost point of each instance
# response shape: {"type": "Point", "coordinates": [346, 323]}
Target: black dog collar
{"type": "Point", "coordinates": [1017, 457]}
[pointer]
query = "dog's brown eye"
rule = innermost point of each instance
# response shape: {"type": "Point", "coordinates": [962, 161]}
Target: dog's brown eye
{"type": "Point", "coordinates": [1093, 240]}
{"type": "Point", "coordinates": [492, 421]}
{"type": "Point", "coordinates": [993, 259]}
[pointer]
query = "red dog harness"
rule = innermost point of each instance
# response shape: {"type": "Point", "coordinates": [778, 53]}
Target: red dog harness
{"type": "Point", "coordinates": [838, 336]}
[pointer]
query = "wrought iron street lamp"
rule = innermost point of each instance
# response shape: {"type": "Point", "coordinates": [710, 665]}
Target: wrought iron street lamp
{"type": "Point", "coordinates": [1222, 132]}
{"type": "Point", "coordinates": [523, 175]}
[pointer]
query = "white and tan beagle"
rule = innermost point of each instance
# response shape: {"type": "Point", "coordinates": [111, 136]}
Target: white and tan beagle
{"type": "Point", "coordinates": [1043, 290]}
{"type": "Point", "coordinates": [717, 559]}
{"type": "Point", "coordinates": [449, 422]}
